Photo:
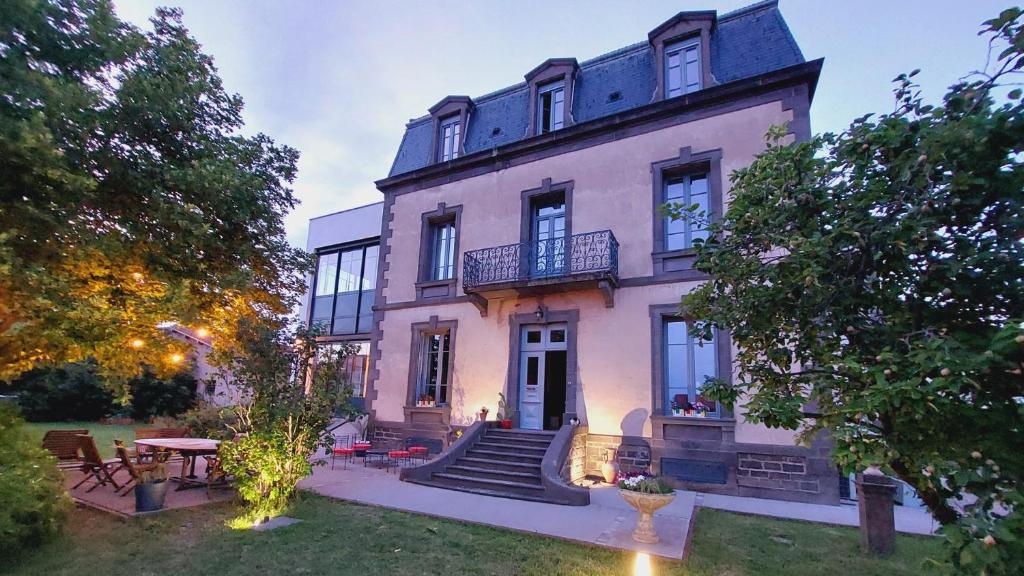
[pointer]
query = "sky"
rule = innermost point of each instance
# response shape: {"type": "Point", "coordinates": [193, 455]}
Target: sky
{"type": "Point", "coordinates": [338, 80]}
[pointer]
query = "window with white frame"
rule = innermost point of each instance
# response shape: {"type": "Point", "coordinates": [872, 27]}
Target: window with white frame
{"type": "Point", "coordinates": [689, 362]}
{"type": "Point", "coordinates": [434, 359]}
{"type": "Point", "coordinates": [449, 134]}
{"type": "Point", "coordinates": [682, 68]}
{"type": "Point", "coordinates": [550, 107]}
{"type": "Point", "coordinates": [442, 255]}
{"type": "Point", "coordinates": [687, 190]}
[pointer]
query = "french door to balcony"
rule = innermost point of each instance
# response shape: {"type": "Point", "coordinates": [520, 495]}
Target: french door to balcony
{"type": "Point", "coordinates": [547, 240]}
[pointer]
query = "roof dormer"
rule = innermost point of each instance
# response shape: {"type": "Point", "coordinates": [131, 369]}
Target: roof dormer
{"type": "Point", "coordinates": [551, 86]}
{"type": "Point", "coordinates": [450, 118]}
{"type": "Point", "coordinates": [682, 48]}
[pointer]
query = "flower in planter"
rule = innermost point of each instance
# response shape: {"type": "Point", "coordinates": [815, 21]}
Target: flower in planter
{"type": "Point", "coordinates": [644, 483]}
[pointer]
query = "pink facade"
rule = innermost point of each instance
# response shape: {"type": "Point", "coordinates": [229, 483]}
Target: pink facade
{"type": "Point", "coordinates": [538, 266]}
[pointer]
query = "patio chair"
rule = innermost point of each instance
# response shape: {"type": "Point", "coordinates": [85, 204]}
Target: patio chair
{"type": "Point", "coordinates": [63, 444]}
{"type": "Point", "coordinates": [416, 451]}
{"type": "Point", "coordinates": [344, 449]}
{"type": "Point", "coordinates": [215, 471]}
{"type": "Point", "coordinates": [94, 466]}
{"type": "Point", "coordinates": [134, 469]}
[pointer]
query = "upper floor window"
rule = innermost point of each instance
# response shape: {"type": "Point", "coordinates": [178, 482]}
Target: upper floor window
{"type": "Point", "coordinates": [449, 136]}
{"type": "Point", "coordinates": [442, 259]}
{"type": "Point", "coordinates": [682, 68]}
{"type": "Point", "coordinates": [344, 290]}
{"type": "Point", "coordinates": [686, 191]}
{"type": "Point", "coordinates": [550, 107]}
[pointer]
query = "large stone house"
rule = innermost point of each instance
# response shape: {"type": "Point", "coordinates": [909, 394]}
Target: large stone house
{"type": "Point", "coordinates": [522, 252]}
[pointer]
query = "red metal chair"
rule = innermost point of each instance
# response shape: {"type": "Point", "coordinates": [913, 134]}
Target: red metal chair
{"type": "Point", "coordinates": [419, 453]}
{"type": "Point", "coordinates": [396, 457]}
{"type": "Point", "coordinates": [343, 448]}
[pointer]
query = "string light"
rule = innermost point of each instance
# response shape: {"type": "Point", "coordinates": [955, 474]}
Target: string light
{"type": "Point", "coordinates": [202, 332]}
{"type": "Point", "coordinates": [176, 358]}
{"type": "Point", "coordinates": [137, 343]}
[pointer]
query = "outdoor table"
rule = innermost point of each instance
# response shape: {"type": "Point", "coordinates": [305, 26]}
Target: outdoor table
{"type": "Point", "coordinates": [379, 455]}
{"type": "Point", "coordinates": [190, 449]}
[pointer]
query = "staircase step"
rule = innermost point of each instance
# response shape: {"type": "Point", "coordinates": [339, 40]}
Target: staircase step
{"type": "Point", "coordinates": [512, 486]}
{"type": "Point", "coordinates": [518, 432]}
{"type": "Point", "coordinates": [488, 444]}
{"type": "Point", "coordinates": [494, 474]}
{"type": "Point", "coordinates": [499, 464]}
{"type": "Point", "coordinates": [504, 455]}
{"type": "Point", "coordinates": [523, 440]}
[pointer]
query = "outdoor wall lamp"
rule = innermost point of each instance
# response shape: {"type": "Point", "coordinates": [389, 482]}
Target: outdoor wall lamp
{"type": "Point", "coordinates": [539, 313]}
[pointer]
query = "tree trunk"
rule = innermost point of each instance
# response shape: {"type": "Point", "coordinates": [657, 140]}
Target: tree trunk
{"type": "Point", "coordinates": [935, 502]}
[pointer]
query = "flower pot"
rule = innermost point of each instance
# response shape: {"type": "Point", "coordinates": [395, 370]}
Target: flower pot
{"type": "Point", "coordinates": [506, 424]}
{"type": "Point", "coordinates": [646, 505]}
{"type": "Point", "coordinates": [482, 416]}
{"type": "Point", "coordinates": [150, 496]}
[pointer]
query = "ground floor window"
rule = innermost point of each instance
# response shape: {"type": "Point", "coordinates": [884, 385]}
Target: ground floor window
{"type": "Point", "coordinates": [355, 364]}
{"type": "Point", "coordinates": [689, 362]}
{"type": "Point", "coordinates": [434, 362]}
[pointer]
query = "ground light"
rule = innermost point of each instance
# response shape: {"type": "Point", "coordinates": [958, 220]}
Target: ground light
{"type": "Point", "coordinates": [642, 565]}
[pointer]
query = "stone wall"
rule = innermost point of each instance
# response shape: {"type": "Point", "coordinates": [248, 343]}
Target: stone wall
{"type": "Point", "coordinates": [632, 454]}
{"type": "Point", "coordinates": [574, 468]}
{"type": "Point", "coordinates": [775, 472]}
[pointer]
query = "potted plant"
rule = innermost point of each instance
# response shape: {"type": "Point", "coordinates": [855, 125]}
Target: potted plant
{"type": "Point", "coordinates": [151, 489]}
{"type": "Point", "coordinates": [701, 408]}
{"type": "Point", "coordinates": [504, 413]}
{"type": "Point", "coordinates": [646, 494]}
{"type": "Point", "coordinates": [483, 413]}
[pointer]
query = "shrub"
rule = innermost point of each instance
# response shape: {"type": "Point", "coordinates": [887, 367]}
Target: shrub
{"type": "Point", "coordinates": [152, 396]}
{"type": "Point", "coordinates": [33, 502]}
{"type": "Point", "coordinates": [71, 392]}
{"type": "Point", "coordinates": [207, 420]}
{"type": "Point", "coordinates": [290, 398]}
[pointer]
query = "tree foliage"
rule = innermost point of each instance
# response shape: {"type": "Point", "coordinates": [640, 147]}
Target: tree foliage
{"type": "Point", "coordinates": [291, 388]}
{"type": "Point", "coordinates": [129, 196]}
{"type": "Point", "coordinates": [873, 282]}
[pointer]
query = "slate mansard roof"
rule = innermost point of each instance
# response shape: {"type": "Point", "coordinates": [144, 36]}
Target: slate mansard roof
{"type": "Point", "coordinates": [744, 43]}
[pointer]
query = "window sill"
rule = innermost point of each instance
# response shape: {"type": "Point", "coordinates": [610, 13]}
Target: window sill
{"type": "Point", "coordinates": [677, 263]}
{"type": "Point", "coordinates": [693, 421]}
{"type": "Point", "coordinates": [427, 289]}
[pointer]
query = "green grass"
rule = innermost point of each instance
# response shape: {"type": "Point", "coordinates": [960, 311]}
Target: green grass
{"type": "Point", "coordinates": [103, 433]}
{"type": "Point", "coordinates": [342, 538]}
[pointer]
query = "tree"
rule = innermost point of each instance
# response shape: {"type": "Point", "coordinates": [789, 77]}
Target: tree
{"type": "Point", "coordinates": [873, 283]}
{"type": "Point", "coordinates": [291, 388]}
{"type": "Point", "coordinates": [129, 196]}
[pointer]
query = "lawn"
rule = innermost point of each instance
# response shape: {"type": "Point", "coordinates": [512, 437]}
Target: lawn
{"type": "Point", "coordinates": [103, 433]}
{"type": "Point", "coordinates": [342, 538]}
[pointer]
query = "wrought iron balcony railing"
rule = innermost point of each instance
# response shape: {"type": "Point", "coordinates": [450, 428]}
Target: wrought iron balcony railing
{"type": "Point", "coordinates": [592, 254]}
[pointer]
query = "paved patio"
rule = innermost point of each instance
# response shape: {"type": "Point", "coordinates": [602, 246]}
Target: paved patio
{"type": "Point", "coordinates": [105, 499]}
{"type": "Point", "coordinates": [608, 521]}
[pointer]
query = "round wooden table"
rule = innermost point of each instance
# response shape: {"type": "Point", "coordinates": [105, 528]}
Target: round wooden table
{"type": "Point", "coordinates": [190, 449]}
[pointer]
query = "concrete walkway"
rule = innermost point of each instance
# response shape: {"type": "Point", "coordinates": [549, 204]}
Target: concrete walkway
{"type": "Point", "coordinates": [908, 520]}
{"type": "Point", "coordinates": [608, 521]}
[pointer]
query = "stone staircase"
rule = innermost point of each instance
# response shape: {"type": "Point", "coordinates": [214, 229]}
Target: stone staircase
{"type": "Point", "coordinates": [504, 463]}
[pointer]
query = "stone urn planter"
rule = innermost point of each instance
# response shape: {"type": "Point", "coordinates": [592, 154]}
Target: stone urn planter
{"type": "Point", "coordinates": [646, 505]}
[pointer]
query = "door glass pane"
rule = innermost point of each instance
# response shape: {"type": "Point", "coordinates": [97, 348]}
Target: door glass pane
{"type": "Point", "coordinates": [533, 336]}
{"type": "Point", "coordinates": [532, 370]}
{"type": "Point", "coordinates": [558, 335]}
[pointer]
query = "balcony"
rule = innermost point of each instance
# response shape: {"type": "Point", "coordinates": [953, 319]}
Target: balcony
{"type": "Point", "coordinates": [581, 261]}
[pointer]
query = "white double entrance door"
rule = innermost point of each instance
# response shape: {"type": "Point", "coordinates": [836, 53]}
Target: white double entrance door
{"type": "Point", "coordinates": [542, 376]}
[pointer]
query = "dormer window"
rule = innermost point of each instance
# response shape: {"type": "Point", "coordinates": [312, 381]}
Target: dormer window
{"type": "Point", "coordinates": [551, 86]}
{"type": "Point", "coordinates": [550, 107]}
{"type": "Point", "coordinates": [682, 68]}
{"type": "Point", "coordinates": [451, 117]}
{"type": "Point", "coordinates": [450, 135]}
